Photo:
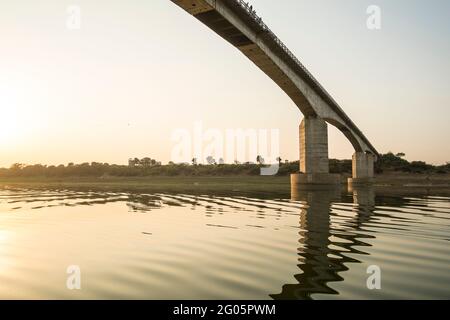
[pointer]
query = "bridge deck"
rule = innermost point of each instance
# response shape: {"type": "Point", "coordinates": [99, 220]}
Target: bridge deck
{"type": "Point", "coordinates": [207, 14]}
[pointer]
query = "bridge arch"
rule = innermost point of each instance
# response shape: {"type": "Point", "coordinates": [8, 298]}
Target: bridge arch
{"type": "Point", "coordinates": [347, 133]}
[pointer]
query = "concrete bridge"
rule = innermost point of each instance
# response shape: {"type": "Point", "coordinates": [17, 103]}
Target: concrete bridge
{"type": "Point", "coordinates": [237, 22]}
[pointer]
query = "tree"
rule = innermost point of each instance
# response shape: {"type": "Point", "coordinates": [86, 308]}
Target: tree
{"type": "Point", "coordinates": [211, 160]}
{"type": "Point", "coordinates": [279, 161]}
{"type": "Point", "coordinates": [260, 159]}
{"type": "Point", "coordinates": [400, 155]}
{"type": "Point", "coordinates": [419, 167]}
{"type": "Point", "coordinates": [194, 161]}
{"type": "Point", "coordinates": [17, 166]}
{"type": "Point", "coordinates": [146, 162]}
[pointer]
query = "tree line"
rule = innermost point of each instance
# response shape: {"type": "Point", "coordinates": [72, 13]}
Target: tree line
{"type": "Point", "coordinates": [150, 167]}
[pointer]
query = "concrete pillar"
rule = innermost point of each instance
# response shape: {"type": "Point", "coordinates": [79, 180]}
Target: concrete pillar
{"type": "Point", "coordinates": [363, 196]}
{"type": "Point", "coordinates": [314, 165]}
{"type": "Point", "coordinates": [318, 266]}
{"type": "Point", "coordinates": [314, 146]}
{"type": "Point", "coordinates": [362, 168]}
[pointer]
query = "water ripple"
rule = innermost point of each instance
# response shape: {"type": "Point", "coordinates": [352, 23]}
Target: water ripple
{"type": "Point", "coordinates": [314, 245]}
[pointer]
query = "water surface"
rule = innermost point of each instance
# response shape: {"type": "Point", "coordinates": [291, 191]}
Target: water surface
{"type": "Point", "coordinates": [307, 245]}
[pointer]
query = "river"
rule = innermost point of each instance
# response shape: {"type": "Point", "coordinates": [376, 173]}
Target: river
{"type": "Point", "coordinates": [81, 244]}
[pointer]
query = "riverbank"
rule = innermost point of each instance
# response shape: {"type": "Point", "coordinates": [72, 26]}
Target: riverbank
{"type": "Point", "coordinates": [215, 183]}
{"type": "Point", "coordinates": [158, 184]}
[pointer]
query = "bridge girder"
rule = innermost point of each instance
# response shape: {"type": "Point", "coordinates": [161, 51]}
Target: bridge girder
{"type": "Point", "coordinates": [234, 22]}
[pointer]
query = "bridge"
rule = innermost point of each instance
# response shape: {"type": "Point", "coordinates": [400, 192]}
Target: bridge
{"type": "Point", "coordinates": [236, 22]}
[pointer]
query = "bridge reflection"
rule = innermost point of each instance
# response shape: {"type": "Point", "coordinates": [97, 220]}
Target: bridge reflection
{"type": "Point", "coordinates": [324, 250]}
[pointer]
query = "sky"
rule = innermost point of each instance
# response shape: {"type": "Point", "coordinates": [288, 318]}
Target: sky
{"type": "Point", "coordinates": [138, 70]}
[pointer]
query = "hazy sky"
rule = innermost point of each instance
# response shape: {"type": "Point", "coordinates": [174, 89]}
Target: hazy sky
{"type": "Point", "coordinates": [139, 69]}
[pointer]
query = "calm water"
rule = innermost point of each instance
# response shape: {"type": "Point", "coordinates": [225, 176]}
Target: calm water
{"type": "Point", "coordinates": [315, 245]}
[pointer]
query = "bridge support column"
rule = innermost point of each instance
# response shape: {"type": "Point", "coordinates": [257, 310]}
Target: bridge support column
{"type": "Point", "coordinates": [362, 167]}
{"type": "Point", "coordinates": [314, 165]}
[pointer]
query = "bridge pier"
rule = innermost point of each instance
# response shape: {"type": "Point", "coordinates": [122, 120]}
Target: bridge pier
{"type": "Point", "coordinates": [362, 168]}
{"type": "Point", "coordinates": [314, 164]}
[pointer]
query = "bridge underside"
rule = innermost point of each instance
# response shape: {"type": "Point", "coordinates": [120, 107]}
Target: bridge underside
{"type": "Point", "coordinates": [234, 21]}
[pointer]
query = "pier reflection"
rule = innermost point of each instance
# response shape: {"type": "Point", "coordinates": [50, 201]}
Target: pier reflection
{"type": "Point", "coordinates": [323, 250]}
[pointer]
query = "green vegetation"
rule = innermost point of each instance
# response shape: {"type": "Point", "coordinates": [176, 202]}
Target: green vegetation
{"type": "Point", "coordinates": [106, 170]}
{"type": "Point", "coordinates": [390, 162]}
{"type": "Point", "coordinates": [151, 168]}
{"type": "Point", "coordinates": [96, 169]}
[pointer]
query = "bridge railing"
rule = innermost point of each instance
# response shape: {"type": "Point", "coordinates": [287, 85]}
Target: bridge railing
{"type": "Point", "coordinates": [310, 78]}
{"type": "Point", "coordinates": [252, 13]}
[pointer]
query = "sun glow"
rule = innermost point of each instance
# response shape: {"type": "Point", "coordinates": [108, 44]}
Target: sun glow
{"type": "Point", "coordinates": [9, 133]}
{"type": "Point", "coordinates": [11, 127]}
{"type": "Point", "coordinates": [17, 113]}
